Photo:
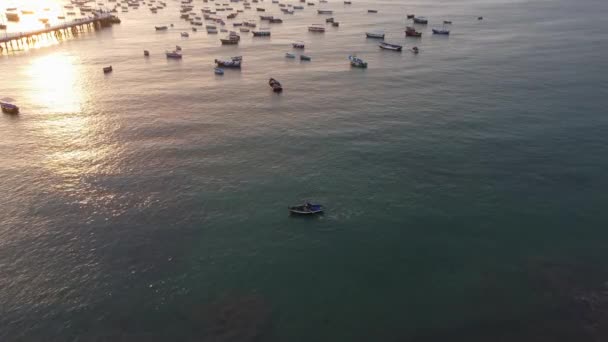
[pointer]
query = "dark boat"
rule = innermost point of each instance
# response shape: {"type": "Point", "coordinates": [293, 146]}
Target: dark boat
{"type": "Point", "coordinates": [329, 20]}
{"type": "Point", "coordinates": [372, 11]}
{"type": "Point", "coordinates": [411, 32]}
{"type": "Point", "coordinates": [9, 108]}
{"type": "Point", "coordinates": [415, 49]}
{"type": "Point", "coordinates": [229, 41]}
{"type": "Point", "coordinates": [306, 209]}
{"type": "Point", "coordinates": [276, 20]}
{"type": "Point", "coordinates": [420, 20]}
{"type": "Point", "coordinates": [387, 46]}
{"type": "Point", "coordinates": [441, 32]}
{"type": "Point", "coordinates": [335, 24]}
{"type": "Point", "coordinates": [447, 22]}
{"type": "Point", "coordinates": [275, 85]}
{"type": "Point", "coordinates": [411, 16]}
{"type": "Point", "coordinates": [479, 18]}
{"type": "Point", "coordinates": [107, 69]}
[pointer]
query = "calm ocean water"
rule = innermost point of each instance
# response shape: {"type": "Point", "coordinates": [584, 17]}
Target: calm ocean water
{"type": "Point", "coordinates": [466, 186]}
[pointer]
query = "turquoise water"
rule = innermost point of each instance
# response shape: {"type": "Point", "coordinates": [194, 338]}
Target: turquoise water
{"type": "Point", "coordinates": [150, 204]}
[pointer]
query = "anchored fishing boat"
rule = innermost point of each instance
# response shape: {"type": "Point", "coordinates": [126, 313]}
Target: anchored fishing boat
{"type": "Point", "coordinates": [420, 20]}
{"type": "Point", "coordinates": [441, 32]}
{"type": "Point", "coordinates": [375, 35]}
{"type": "Point", "coordinates": [232, 63]}
{"type": "Point", "coordinates": [316, 28]}
{"type": "Point", "coordinates": [107, 69]}
{"type": "Point", "coordinates": [325, 11]}
{"type": "Point", "coordinates": [387, 46]}
{"type": "Point", "coordinates": [357, 62]}
{"type": "Point", "coordinates": [411, 32]}
{"type": "Point", "coordinates": [173, 54]}
{"type": "Point", "coordinates": [9, 108]}
{"type": "Point", "coordinates": [306, 209]}
{"type": "Point", "coordinates": [298, 45]}
{"type": "Point", "coordinates": [275, 85]}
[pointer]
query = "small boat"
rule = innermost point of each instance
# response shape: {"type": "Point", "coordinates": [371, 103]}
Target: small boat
{"type": "Point", "coordinates": [146, 53]}
{"type": "Point", "coordinates": [298, 45]}
{"type": "Point", "coordinates": [9, 108]}
{"type": "Point", "coordinates": [447, 22]}
{"type": "Point", "coordinates": [329, 20]}
{"type": "Point", "coordinates": [335, 24]}
{"type": "Point", "coordinates": [161, 28]}
{"type": "Point", "coordinates": [231, 16]}
{"type": "Point", "coordinates": [107, 69]}
{"type": "Point", "coordinates": [316, 28]}
{"type": "Point", "coordinates": [325, 11]}
{"type": "Point", "coordinates": [223, 30]}
{"type": "Point", "coordinates": [290, 55]}
{"type": "Point", "coordinates": [420, 20]}
{"type": "Point", "coordinates": [415, 49]}
{"type": "Point", "coordinates": [60, 17]}
{"type": "Point", "coordinates": [232, 63]}
{"type": "Point", "coordinates": [211, 31]}
{"type": "Point", "coordinates": [236, 58]}
{"type": "Point", "coordinates": [276, 21]}
{"type": "Point", "coordinates": [229, 41]}
{"type": "Point", "coordinates": [260, 9]}
{"type": "Point", "coordinates": [218, 71]}
{"type": "Point", "coordinates": [185, 34]}
{"type": "Point", "coordinates": [2, 27]}
{"type": "Point", "coordinates": [411, 32]}
{"type": "Point", "coordinates": [266, 17]}
{"type": "Point", "coordinates": [441, 32]}
{"type": "Point", "coordinates": [357, 62]}
{"type": "Point", "coordinates": [305, 58]}
{"type": "Point", "coordinates": [306, 209]}
{"type": "Point", "coordinates": [261, 33]}
{"type": "Point", "coordinates": [372, 11]}
{"type": "Point", "coordinates": [310, 3]}
{"type": "Point", "coordinates": [173, 54]}
{"type": "Point", "coordinates": [411, 16]}
{"type": "Point", "coordinates": [479, 18]}
{"type": "Point", "coordinates": [237, 24]}
{"type": "Point", "coordinates": [244, 29]}
{"type": "Point", "coordinates": [194, 29]}
{"type": "Point", "coordinates": [298, 7]}
{"type": "Point", "coordinates": [387, 46]}
{"type": "Point", "coordinates": [275, 85]}
{"type": "Point", "coordinates": [376, 35]}
{"type": "Point", "coordinates": [178, 48]}
{"type": "Point", "coordinates": [347, 2]}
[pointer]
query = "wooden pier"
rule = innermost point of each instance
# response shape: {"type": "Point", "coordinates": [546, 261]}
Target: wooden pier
{"type": "Point", "coordinates": [9, 40]}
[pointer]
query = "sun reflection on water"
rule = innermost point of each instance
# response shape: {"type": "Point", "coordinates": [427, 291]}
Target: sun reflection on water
{"type": "Point", "coordinates": [53, 82]}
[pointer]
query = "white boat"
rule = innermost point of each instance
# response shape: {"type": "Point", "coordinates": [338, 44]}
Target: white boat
{"type": "Point", "coordinates": [218, 71]}
{"type": "Point", "coordinates": [290, 55]}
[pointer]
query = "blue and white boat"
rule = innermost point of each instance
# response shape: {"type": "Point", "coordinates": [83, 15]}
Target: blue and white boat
{"type": "Point", "coordinates": [218, 71]}
{"type": "Point", "coordinates": [290, 55]}
{"type": "Point", "coordinates": [305, 58]}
